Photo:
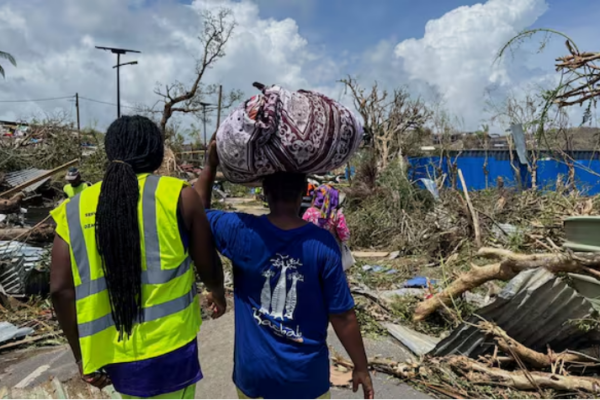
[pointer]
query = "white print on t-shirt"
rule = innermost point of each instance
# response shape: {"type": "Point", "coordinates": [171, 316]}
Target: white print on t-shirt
{"type": "Point", "coordinates": [274, 304]}
{"type": "Point", "coordinates": [292, 297]}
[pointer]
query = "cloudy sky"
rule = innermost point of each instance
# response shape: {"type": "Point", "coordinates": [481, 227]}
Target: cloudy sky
{"type": "Point", "coordinates": [440, 49]}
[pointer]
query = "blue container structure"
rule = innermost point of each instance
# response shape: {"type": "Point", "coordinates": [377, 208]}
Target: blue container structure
{"type": "Point", "coordinates": [472, 162]}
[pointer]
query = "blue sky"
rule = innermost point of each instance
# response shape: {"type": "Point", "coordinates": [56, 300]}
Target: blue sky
{"type": "Point", "coordinates": [356, 25]}
{"type": "Point", "coordinates": [441, 49]}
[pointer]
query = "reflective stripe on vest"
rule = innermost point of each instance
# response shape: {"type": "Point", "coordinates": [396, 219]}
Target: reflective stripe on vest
{"type": "Point", "coordinates": [148, 314]}
{"type": "Point", "coordinates": [152, 275]}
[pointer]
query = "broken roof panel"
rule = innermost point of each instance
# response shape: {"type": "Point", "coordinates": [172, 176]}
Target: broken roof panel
{"type": "Point", "coordinates": [9, 332]}
{"type": "Point", "coordinates": [14, 179]}
{"type": "Point", "coordinates": [536, 308]}
{"type": "Point", "coordinates": [17, 260]}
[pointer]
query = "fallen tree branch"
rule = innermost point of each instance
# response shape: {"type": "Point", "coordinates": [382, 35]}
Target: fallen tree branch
{"type": "Point", "coordinates": [531, 357]}
{"type": "Point", "coordinates": [32, 339]}
{"type": "Point", "coordinates": [369, 294]}
{"type": "Point", "coordinates": [399, 370]}
{"type": "Point", "coordinates": [505, 270]}
{"type": "Point", "coordinates": [42, 233]}
{"type": "Point", "coordinates": [480, 374]}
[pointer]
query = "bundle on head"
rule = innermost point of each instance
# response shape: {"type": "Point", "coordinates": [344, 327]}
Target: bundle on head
{"type": "Point", "coordinates": [134, 145]}
{"type": "Point", "coordinates": [281, 131]}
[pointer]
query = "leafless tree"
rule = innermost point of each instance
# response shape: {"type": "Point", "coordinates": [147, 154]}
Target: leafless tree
{"type": "Point", "coordinates": [394, 121]}
{"type": "Point", "coordinates": [185, 98]}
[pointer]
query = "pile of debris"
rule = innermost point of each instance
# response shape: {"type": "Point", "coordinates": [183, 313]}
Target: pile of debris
{"type": "Point", "coordinates": [538, 337]}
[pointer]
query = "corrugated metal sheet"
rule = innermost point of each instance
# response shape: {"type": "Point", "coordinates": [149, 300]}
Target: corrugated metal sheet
{"type": "Point", "coordinates": [16, 262]}
{"type": "Point", "coordinates": [9, 332]}
{"type": "Point", "coordinates": [535, 308]}
{"type": "Point", "coordinates": [17, 178]}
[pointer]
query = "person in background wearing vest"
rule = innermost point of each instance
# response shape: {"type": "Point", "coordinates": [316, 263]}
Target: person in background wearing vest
{"type": "Point", "coordinates": [75, 185]}
{"type": "Point", "coordinates": [121, 278]}
{"type": "Point", "coordinates": [289, 285]}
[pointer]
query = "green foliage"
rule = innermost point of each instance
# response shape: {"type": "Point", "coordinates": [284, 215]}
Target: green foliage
{"type": "Point", "coordinates": [10, 59]}
{"type": "Point", "coordinates": [384, 216]}
{"type": "Point", "coordinates": [235, 190]}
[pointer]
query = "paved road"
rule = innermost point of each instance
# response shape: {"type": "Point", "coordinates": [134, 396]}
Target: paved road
{"type": "Point", "coordinates": [29, 368]}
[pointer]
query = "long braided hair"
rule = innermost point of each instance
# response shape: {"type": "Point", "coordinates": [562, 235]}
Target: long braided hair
{"type": "Point", "coordinates": [134, 145]}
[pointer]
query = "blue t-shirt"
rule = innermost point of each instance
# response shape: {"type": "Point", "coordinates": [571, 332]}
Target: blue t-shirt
{"type": "Point", "coordinates": [287, 283]}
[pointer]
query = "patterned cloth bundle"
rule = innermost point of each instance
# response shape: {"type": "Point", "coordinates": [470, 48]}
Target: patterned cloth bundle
{"type": "Point", "coordinates": [279, 130]}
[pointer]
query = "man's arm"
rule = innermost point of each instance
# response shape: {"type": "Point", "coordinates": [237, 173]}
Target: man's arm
{"type": "Point", "coordinates": [202, 249]}
{"type": "Point", "coordinates": [347, 330]}
{"type": "Point", "coordinates": [62, 292]}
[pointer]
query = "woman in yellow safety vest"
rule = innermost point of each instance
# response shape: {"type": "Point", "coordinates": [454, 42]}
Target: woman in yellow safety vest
{"type": "Point", "coordinates": [121, 278]}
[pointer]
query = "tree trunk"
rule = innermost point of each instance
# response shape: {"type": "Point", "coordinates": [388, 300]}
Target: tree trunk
{"type": "Point", "coordinates": [480, 374]}
{"type": "Point", "coordinates": [505, 270]}
{"type": "Point", "coordinates": [12, 205]}
{"type": "Point", "coordinates": [43, 233]}
{"type": "Point", "coordinates": [530, 357]}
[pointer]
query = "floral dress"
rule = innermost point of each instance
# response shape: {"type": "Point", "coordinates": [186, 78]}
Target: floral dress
{"type": "Point", "coordinates": [337, 226]}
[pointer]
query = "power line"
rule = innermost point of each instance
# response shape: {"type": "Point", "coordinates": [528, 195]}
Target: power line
{"type": "Point", "coordinates": [106, 103]}
{"type": "Point", "coordinates": [37, 100]}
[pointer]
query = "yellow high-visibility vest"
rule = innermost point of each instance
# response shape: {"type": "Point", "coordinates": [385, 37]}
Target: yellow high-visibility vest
{"type": "Point", "coordinates": [170, 307]}
{"type": "Point", "coordinates": [71, 190]}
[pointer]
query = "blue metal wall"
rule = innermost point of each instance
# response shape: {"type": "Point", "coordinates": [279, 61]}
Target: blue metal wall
{"type": "Point", "coordinates": [498, 165]}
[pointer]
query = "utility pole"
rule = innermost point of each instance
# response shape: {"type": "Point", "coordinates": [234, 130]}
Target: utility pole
{"type": "Point", "coordinates": [204, 105]}
{"type": "Point", "coordinates": [78, 126]}
{"type": "Point", "coordinates": [219, 106]}
{"type": "Point", "coordinates": [118, 52]}
{"type": "Point", "coordinates": [77, 106]}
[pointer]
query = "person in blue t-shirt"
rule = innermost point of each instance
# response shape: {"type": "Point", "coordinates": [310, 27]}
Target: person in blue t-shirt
{"type": "Point", "coordinates": [288, 285]}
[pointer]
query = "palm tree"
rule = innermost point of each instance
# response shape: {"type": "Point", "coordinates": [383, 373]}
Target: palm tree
{"type": "Point", "coordinates": [8, 57]}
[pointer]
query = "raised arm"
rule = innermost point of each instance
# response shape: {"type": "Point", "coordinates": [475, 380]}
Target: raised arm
{"type": "Point", "coordinates": [202, 249]}
{"type": "Point", "coordinates": [205, 182]}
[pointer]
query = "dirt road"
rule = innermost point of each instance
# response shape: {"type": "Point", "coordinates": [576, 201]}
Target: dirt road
{"type": "Point", "coordinates": [31, 368]}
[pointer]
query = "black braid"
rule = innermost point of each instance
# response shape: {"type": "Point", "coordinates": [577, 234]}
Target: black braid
{"type": "Point", "coordinates": [134, 145]}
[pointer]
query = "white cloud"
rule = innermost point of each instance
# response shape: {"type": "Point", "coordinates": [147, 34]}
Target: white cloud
{"type": "Point", "coordinates": [456, 55]}
{"type": "Point", "coordinates": [53, 42]}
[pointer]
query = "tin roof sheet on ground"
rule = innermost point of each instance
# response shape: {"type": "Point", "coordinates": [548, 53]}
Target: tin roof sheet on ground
{"type": "Point", "coordinates": [14, 179]}
{"type": "Point", "coordinates": [536, 308]}
{"type": "Point", "coordinates": [16, 262]}
{"type": "Point", "coordinates": [9, 332]}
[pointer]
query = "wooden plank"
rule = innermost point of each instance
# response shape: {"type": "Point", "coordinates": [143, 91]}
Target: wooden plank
{"type": "Point", "coordinates": [27, 341]}
{"type": "Point", "coordinates": [474, 214]}
{"type": "Point", "coordinates": [370, 254]}
{"type": "Point", "coordinates": [48, 174]}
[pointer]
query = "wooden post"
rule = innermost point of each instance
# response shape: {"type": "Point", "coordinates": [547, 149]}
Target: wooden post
{"type": "Point", "coordinates": [471, 210]}
{"type": "Point", "coordinates": [48, 174]}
